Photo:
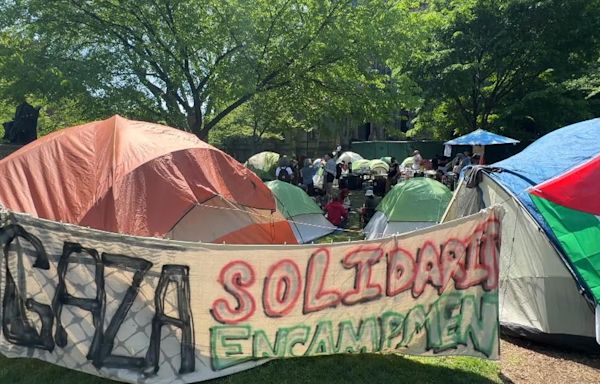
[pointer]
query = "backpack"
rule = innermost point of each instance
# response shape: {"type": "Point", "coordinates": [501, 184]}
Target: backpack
{"type": "Point", "coordinates": [284, 175]}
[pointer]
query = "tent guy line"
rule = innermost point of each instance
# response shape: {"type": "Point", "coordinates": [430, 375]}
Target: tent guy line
{"type": "Point", "coordinates": [306, 224]}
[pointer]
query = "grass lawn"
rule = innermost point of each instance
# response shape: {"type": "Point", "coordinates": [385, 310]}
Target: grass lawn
{"type": "Point", "coordinates": [369, 368]}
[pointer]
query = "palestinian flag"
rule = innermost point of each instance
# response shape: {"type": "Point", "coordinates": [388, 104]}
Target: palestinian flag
{"type": "Point", "coordinates": [570, 204]}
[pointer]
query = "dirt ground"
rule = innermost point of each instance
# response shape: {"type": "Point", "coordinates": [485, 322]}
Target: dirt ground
{"type": "Point", "coordinates": [525, 362]}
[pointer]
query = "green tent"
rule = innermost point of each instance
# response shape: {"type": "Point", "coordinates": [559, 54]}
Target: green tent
{"type": "Point", "coordinates": [361, 166]}
{"type": "Point", "coordinates": [412, 204]}
{"type": "Point", "coordinates": [304, 215]}
{"type": "Point", "coordinates": [263, 164]}
{"type": "Point", "coordinates": [379, 166]}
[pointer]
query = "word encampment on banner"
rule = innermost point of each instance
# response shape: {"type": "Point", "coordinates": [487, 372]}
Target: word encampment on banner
{"type": "Point", "coordinates": [155, 311]}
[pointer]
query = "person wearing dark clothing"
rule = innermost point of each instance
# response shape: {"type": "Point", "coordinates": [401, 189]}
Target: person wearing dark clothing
{"type": "Point", "coordinates": [393, 174]}
{"type": "Point", "coordinates": [306, 175]}
{"type": "Point", "coordinates": [369, 207]}
{"type": "Point", "coordinates": [23, 129]}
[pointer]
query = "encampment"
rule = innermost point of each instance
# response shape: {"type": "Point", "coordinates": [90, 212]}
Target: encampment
{"type": "Point", "coordinates": [303, 214]}
{"type": "Point", "coordinates": [412, 204]}
{"type": "Point", "coordinates": [263, 164]}
{"type": "Point", "coordinates": [547, 277]}
{"type": "Point", "coordinates": [141, 179]}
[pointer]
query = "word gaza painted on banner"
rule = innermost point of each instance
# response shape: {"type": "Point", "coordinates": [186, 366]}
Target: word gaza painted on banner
{"type": "Point", "coordinates": [464, 262]}
{"type": "Point", "coordinates": [18, 329]}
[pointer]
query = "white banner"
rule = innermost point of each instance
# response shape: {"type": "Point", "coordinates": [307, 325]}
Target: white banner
{"type": "Point", "coordinates": [153, 311]}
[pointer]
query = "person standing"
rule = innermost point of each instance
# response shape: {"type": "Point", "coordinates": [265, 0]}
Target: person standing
{"type": "Point", "coordinates": [330, 171]}
{"type": "Point", "coordinates": [417, 160]}
{"type": "Point", "coordinates": [307, 172]}
{"type": "Point", "coordinates": [393, 174]}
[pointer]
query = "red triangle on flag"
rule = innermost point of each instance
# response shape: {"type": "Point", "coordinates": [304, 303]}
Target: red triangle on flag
{"type": "Point", "coordinates": [578, 188]}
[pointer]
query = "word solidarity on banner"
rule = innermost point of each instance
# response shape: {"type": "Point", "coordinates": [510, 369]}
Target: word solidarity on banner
{"type": "Point", "coordinates": [155, 311]}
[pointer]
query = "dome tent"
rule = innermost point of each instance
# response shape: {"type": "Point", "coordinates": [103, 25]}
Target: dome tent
{"type": "Point", "coordinates": [303, 214]}
{"type": "Point", "coordinates": [141, 179]}
{"type": "Point", "coordinates": [349, 157]}
{"type": "Point", "coordinates": [541, 274]}
{"type": "Point", "coordinates": [412, 204]}
{"type": "Point", "coordinates": [408, 162]}
{"type": "Point", "coordinates": [379, 167]}
{"type": "Point", "coordinates": [361, 166]}
{"type": "Point", "coordinates": [264, 164]}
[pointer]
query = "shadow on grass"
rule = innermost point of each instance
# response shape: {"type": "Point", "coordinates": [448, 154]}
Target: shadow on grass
{"type": "Point", "coordinates": [367, 368]}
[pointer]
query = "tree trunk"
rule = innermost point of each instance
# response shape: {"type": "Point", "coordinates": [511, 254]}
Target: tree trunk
{"type": "Point", "coordinates": [196, 127]}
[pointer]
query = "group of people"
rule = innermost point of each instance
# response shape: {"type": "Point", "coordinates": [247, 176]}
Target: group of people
{"type": "Point", "coordinates": [318, 179]}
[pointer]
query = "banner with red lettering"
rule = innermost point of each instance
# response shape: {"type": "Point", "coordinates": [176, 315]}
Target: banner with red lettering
{"type": "Point", "coordinates": [146, 310]}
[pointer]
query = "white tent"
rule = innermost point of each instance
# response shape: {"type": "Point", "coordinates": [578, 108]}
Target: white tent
{"type": "Point", "coordinates": [541, 297]}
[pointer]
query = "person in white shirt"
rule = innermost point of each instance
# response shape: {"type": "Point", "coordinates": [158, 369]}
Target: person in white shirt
{"type": "Point", "coordinates": [417, 160]}
{"type": "Point", "coordinates": [284, 171]}
{"type": "Point", "coordinates": [330, 170]}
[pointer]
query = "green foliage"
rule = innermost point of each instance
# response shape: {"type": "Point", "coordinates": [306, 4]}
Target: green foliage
{"type": "Point", "coordinates": [501, 65]}
{"type": "Point", "coordinates": [192, 63]}
{"type": "Point", "coordinates": [251, 69]}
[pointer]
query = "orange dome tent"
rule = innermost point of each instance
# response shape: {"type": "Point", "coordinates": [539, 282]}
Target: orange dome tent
{"type": "Point", "coordinates": [141, 179]}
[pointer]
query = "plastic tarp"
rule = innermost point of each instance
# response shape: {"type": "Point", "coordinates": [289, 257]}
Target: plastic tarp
{"type": "Point", "coordinates": [136, 178]}
{"type": "Point", "coordinates": [481, 137]}
{"type": "Point", "coordinates": [418, 199]}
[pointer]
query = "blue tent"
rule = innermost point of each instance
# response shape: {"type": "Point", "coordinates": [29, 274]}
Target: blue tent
{"type": "Point", "coordinates": [481, 137]}
{"type": "Point", "coordinates": [549, 156]}
{"type": "Point", "coordinates": [543, 296]}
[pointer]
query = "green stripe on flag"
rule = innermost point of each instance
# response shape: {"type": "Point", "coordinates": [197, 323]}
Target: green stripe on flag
{"type": "Point", "coordinates": [579, 234]}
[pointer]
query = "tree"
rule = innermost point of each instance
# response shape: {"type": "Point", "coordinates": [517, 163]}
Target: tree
{"type": "Point", "coordinates": [198, 61]}
{"type": "Point", "coordinates": [489, 62]}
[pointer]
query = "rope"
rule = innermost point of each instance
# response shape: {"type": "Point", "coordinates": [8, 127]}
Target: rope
{"type": "Point", "coordinates": [290, 221]}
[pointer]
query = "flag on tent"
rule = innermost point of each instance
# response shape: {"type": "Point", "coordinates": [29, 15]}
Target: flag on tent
{"type": "Point", "coordinates": [570, 205]}
{"type": "Point", "coordinates": [303, 214]}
